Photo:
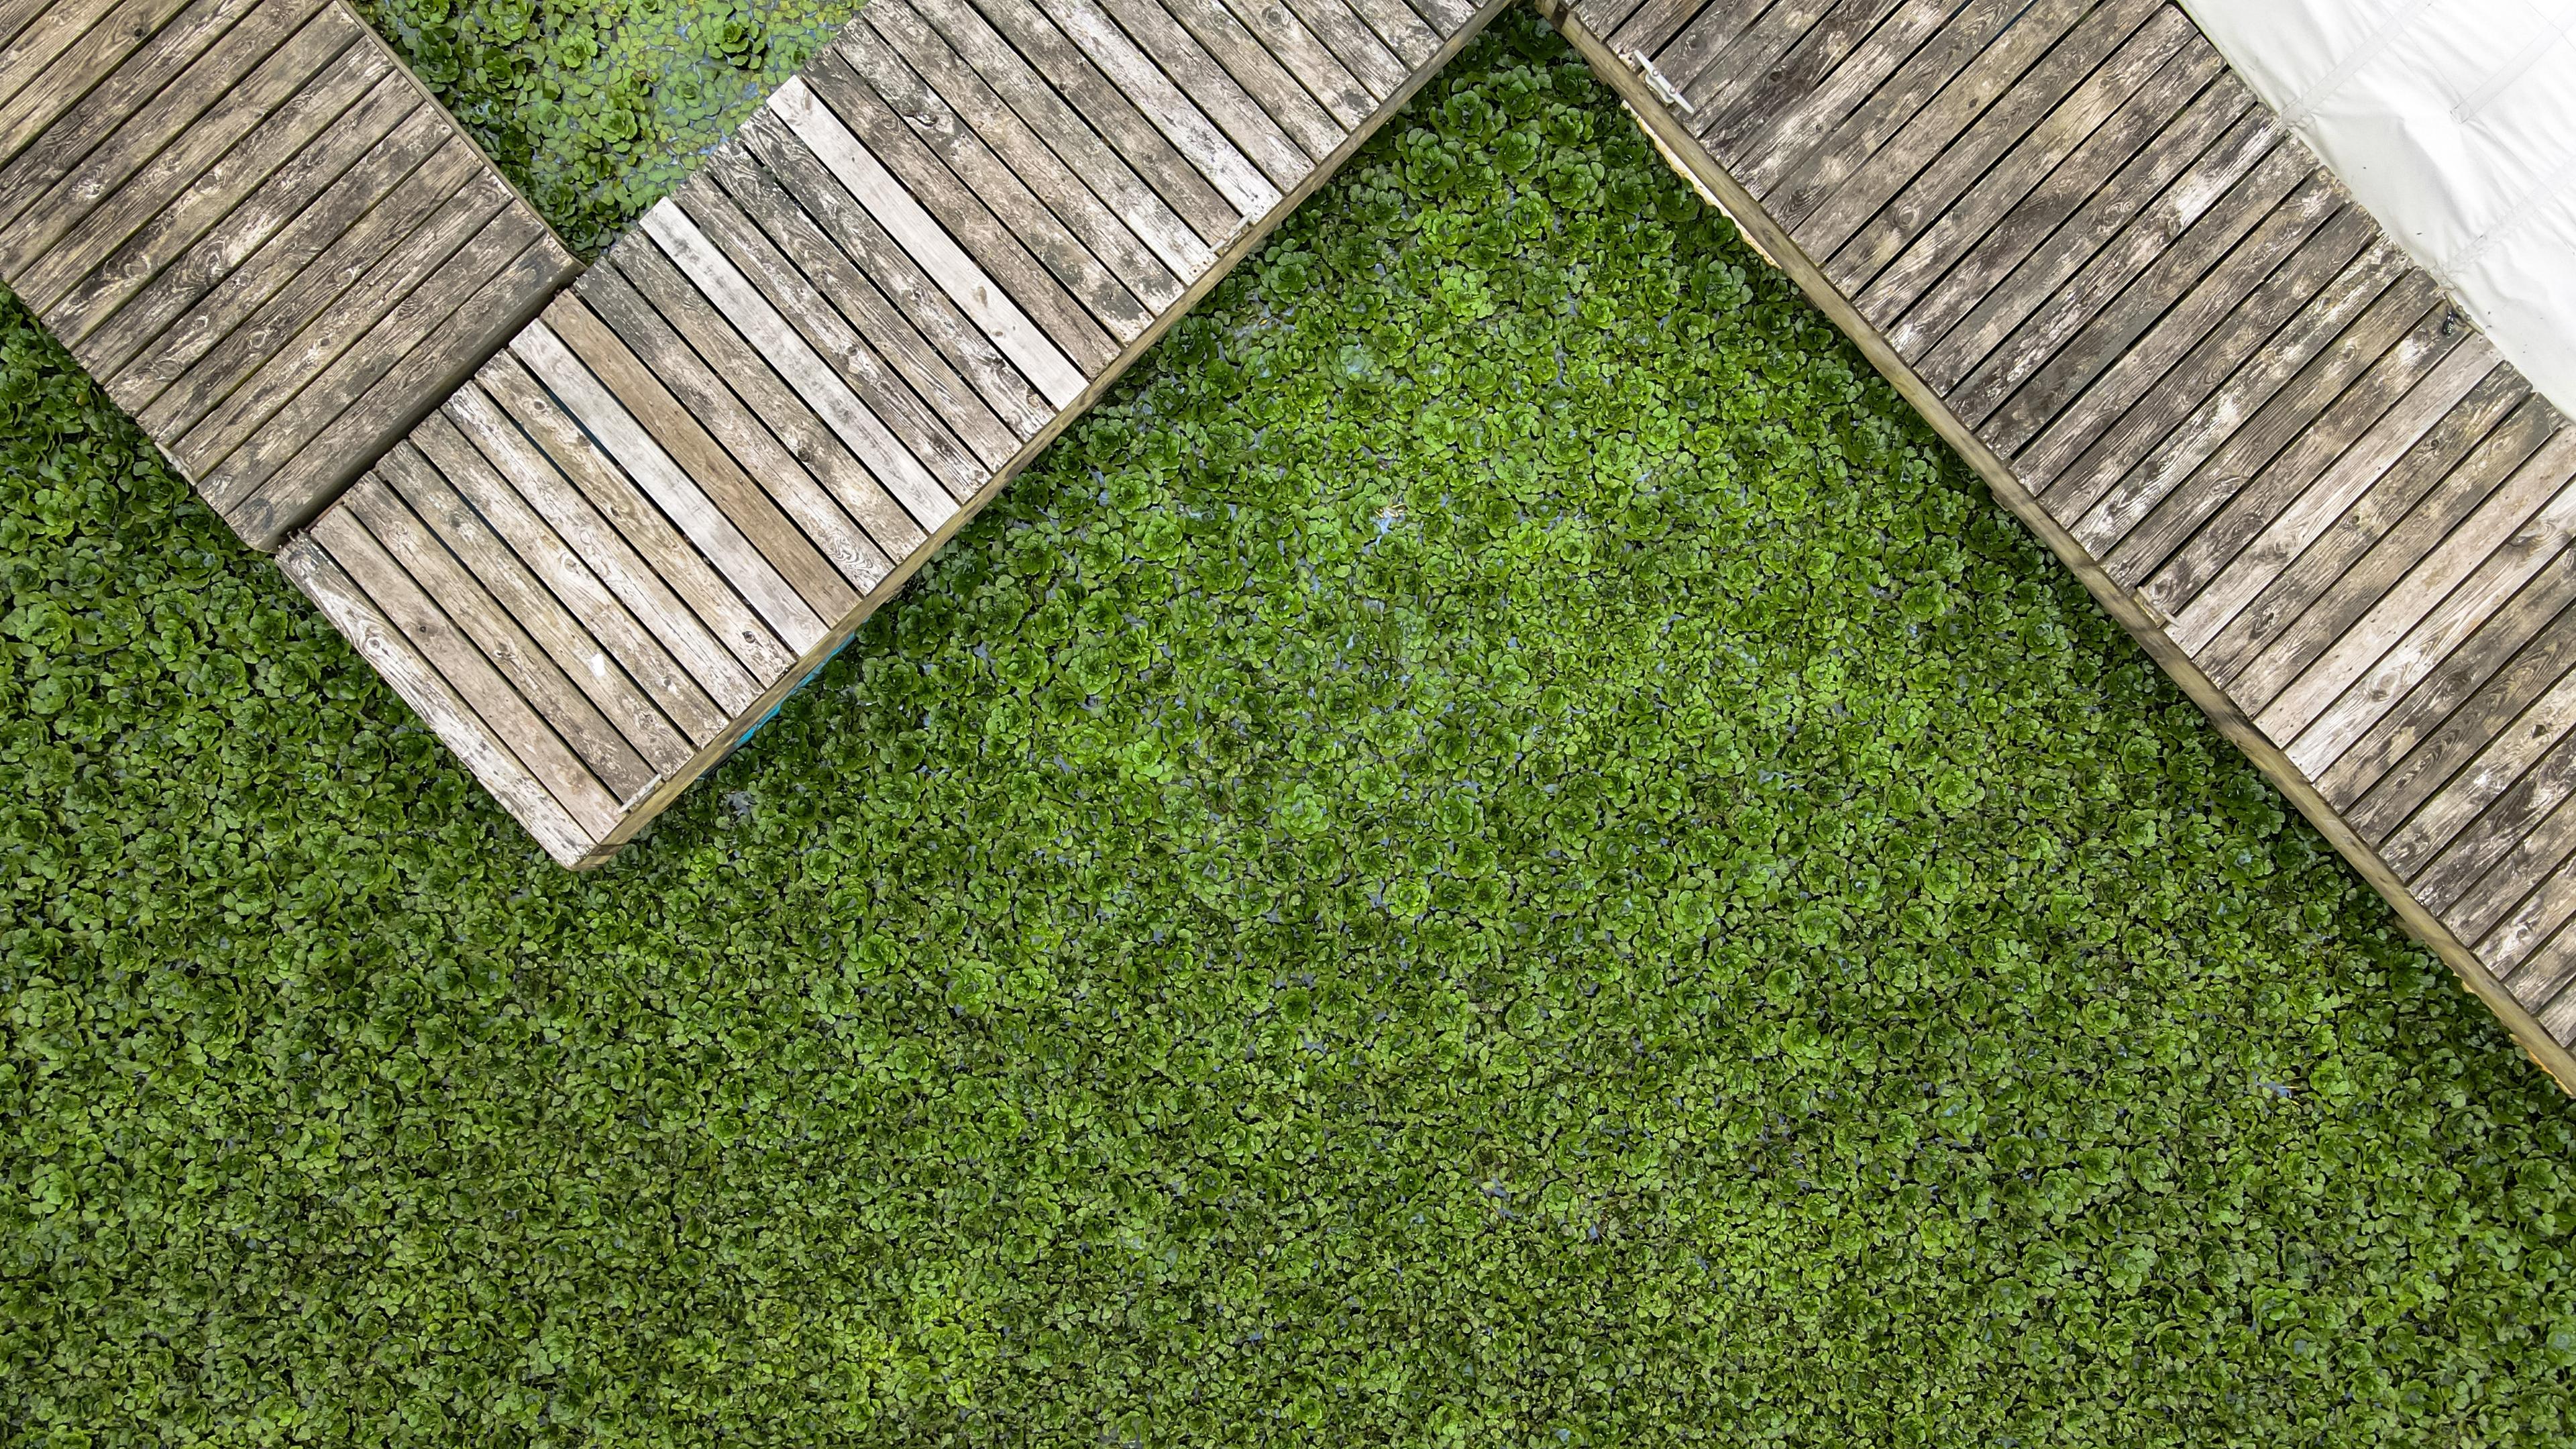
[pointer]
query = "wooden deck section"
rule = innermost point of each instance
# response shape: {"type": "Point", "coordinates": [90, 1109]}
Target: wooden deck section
{"type": "Point", "coordinates": [258, 231]}
{"type": "Point", "coordinates": [595, 535]}
{"type": "Point", "coordinates": [2178, 350]}
{"type": "Point", "coordinates": [664, 504]}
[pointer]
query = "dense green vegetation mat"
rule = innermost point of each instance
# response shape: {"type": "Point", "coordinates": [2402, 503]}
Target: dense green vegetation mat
{"type": "Point", "coordinates": [599, 107]}
{"type": "Point", "coordinates": [1503, 851]}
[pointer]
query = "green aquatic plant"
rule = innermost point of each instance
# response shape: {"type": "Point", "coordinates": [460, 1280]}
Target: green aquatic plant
{"type": "Point", "coordinates": [1501, 849]}
{"type": "Point", "coordinates": [597, 109]}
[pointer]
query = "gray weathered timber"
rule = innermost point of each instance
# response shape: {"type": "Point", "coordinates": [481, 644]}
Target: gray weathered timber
{"type": "Point", "coordinates": [1095, 128]}
{"type": "Point", "coordinates": [2269, 446]}
{"type": "Point", "coordinates": [2262, 439]}
{"type": "Point", "coordinates": [758, 420]}
{"type": "Point", "coordinates": [910, 293]}
{"type": "Point", "coordinates": [264, 237]}
{"type": "Point", "coordinates": [389, 131]}
{"type": "Point", "coordinates": [672, 495]}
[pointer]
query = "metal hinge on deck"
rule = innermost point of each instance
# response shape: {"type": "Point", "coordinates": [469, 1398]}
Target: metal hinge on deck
{"type": "Point", "coordinates": [1663, 88]}
{"type": "Point", "coordinates": [1665, 92]}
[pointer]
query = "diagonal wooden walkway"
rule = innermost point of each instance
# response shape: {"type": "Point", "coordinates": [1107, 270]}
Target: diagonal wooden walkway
{"type": "Point", "coordinates": [594, 535]}
{"type": "Point", "coordinates": [2178, 350]}
{"type": "Point", "coordinates": [663, 505]}
{"type": "Point", "coordinates": [258, 231]}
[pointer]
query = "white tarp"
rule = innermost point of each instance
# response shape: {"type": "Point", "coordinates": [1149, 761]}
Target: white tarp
{"type": "Point", "coordinates": [2454, 123]}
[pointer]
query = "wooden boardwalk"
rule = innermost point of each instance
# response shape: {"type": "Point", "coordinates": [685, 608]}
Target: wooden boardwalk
{"type": "Point", "coordinates": [2178, 350]}
{"type": "Point", "coordinates": [666, 502]}
{"type": "Point", "coordinates": [258, 231]}
{"type": "Point", "coordinates": [594, 535]}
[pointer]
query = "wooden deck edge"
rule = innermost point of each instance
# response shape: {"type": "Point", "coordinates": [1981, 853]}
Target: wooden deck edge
{"type": "Point", "coordinates": [1684, 151]}
{"type": "Point", "coordinates": [489, 337]}
{"type": "Point", "coordinates": [1244, 245]}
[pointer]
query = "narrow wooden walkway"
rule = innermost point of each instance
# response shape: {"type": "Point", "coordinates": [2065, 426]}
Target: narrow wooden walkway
{"type": "Point", "coordinates": [666, 502]}
{"type": "Point", "coordinates": [2179, 351]}
{"type": "Point", "coordinates": [595, 535]}
{"type": "Point", "coordinates": [250, 223]}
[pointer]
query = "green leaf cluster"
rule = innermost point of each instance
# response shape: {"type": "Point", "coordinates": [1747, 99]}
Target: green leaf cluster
{"type": "Point", "coordinates": [1501, 850]}
{"type": "Point", "coordinates": [597, 108]}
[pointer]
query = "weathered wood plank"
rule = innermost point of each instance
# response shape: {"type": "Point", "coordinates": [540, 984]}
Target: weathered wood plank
{"type": "Point", "coordinates": [434, 361]}
{"type": "Point", "coordinates": [243, 441]}
{"type": "Point", "coordinates": [2458, 710]}
{"type": "Point", "coordinates": [1124, 223]}
{"type": "Point", "coordinates": [64, 253]}
{"type": "Point", "coordinates": [2192, 411]}
{"type": "Point", "coordinates": [333, 101]}
{"type": "Point", "coordinates": [193, 307]}
{"type": "Point", "coordinates": [487, 696]}
{"type": "Point", "coordinates": [1097, 130]}
{"type": "Point", "coordinates": [490, 629]}
{"type": "Point", "coordinates": [54, 34]}
{"type": "Point", "coordinates": [15, 15]}
{"type": "Point", "coordinates": [87, 153]}
{"type": "Point", "coordinates": [1991, 104]}
{"type": "Point", "coordinates": [2521, 839]}
{"type": "Point", "coordinates": [1362, 56]}
{"type": "Point", "coordinates": [909, 292]}
{"type": "Point", "coordinates": [1060, 154]}
{"type": "Point", "coordinates": [768, 431]}
{"type": "Point", "coordinates": [2279, 513]}
{"type": "Point", "coordinates": [977, 295]}
{"type": "Point", "coordinates": [226, 415]}
{"type": "Point", "coordinates": [440, 474]}
{"type": "Point", "coordinates": [2293, 456]}
{"type": "Point", "coordinates": [1306, 57]}
{"type": "Point", "coordinates": [290, 193]}
{"type": "Point", "coordinates": [1305, 119]}
{"type": "Point", "coordinates": [2509, 757]}
{"type": "Point", "coordinates": [2405, 635]}
{"type": "Point", "coordinates": [805, 372]}
{"type": "Point", "coordinates": [1402, 31]}
{"type": "Point", "coordinates": [2113, 237]}
{"type": "Point", "coordinates": [1714, 70]}
{"type": "Point", "coordinates": [891, 338]}
{"type": "Point", "coordinates": [979, 199]}
{"type": "Point", "coordinates": [1765, 137]}
{"type": "Point", "coordinates": [2511, 708]}
{"type": "Point", "coordinates": [1249, 183]}
{"type": "Point", "coordinates": [2133, 405]}
{"type": "Point", "coordinates": [2529, 948]}
{"type": "Point", "coordinates": [1649, 28]}
{"type": "Point", "coordinates": [594, 575]}
{"type": "Point", "coordinates": [2238, 452]}
{"type": "Point", "coordinates": [476, 744]}
{"type": "Point", "coordinates": [790, 621]}
{"type": "Point", "coordinates": [2163, 315]}
{"type": "Point", "coordinates": [1802, 75]}
{"type": "Point", "coordinates": [2558, 1018]}
{"type": "Point", "coordinates": [2368, 551]}
{"type": "Point", "coordinates": [615, 531]}
{"type": "Point", "coordinates": [825, 555]}
{"type": "Point", "coordinates": [320, 306]}
{"type": "Point", "coordinates": [1943, 218]}
{"type": "Point", "coordinates": [56, 86]}
{"type": "Point", "coordinates": [1603, 17]}
{"type": "Point", "coordinates": [742, 244]}
{"type": "Point", "coordinates": [738, 400]}
{"type": "Point", "coordinates": [1447, 17]}
{"type": "Point", "coordinates": [2128, 283]}
{"type": "Point", "coordinates": [2161, 114]}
